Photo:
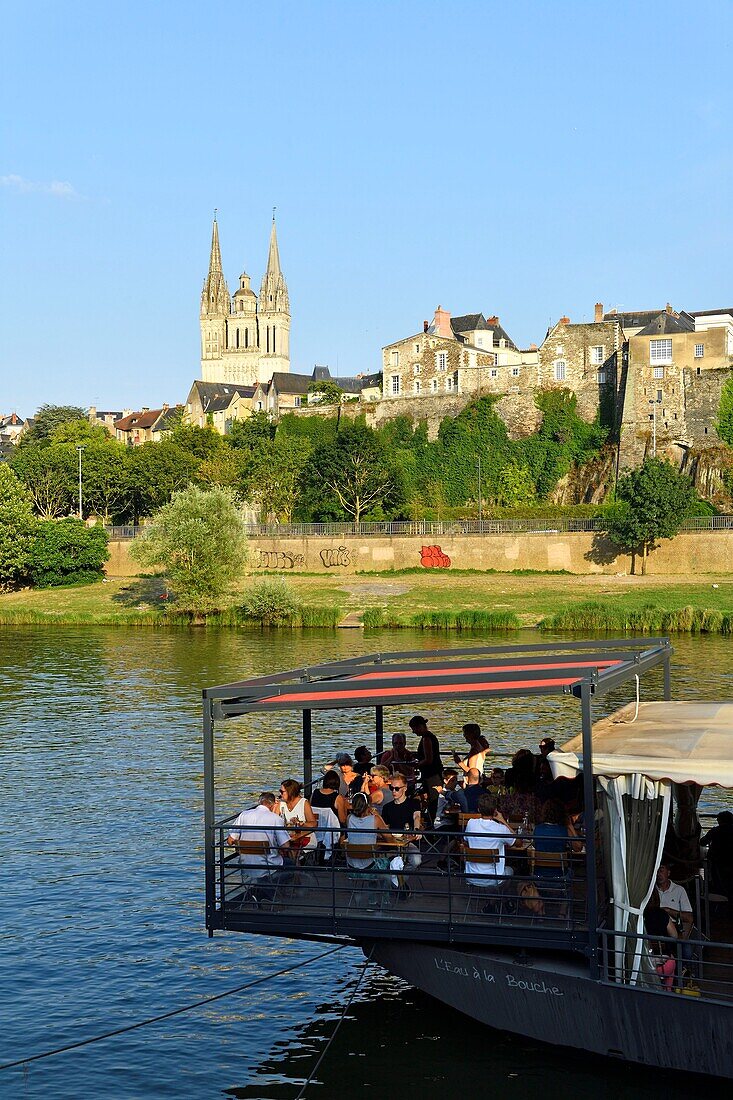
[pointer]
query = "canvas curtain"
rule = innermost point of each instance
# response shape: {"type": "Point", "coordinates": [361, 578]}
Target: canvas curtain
{"type": "Point", "coordinates": [636, 812]}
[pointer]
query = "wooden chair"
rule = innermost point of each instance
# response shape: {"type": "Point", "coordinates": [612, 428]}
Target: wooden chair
{"type": "Point", "coordinates": [245, 848]}
{"type": "Point", "coordinates": [463, 820]}
{"type": "Point", "coordinates": [557, 861]}
{"type": "Point", "coordinates": [491, 890]}
{"type": "Point", "coordinates": [368, 884]}
{"type": "Point", "coordinates": [555, 886]}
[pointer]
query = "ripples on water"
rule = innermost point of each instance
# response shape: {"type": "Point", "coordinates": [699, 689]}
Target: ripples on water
{"type": "Point", "coordinates": [101, 850]}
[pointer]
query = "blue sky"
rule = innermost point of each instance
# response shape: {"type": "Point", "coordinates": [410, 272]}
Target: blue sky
{"type": "Point", "coordinates": [517, 158]}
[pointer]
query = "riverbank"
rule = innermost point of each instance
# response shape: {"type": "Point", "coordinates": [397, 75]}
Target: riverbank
{"type": "Point", "coordinates": [434, 600]}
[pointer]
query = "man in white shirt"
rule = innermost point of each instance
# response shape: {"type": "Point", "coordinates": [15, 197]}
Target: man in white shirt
{"type": "Point", "coordinates": [258, 824]}
{"type": "Point", "coordinates": [490, 832]}
{"type": "Point", "coordinates": [673, 898]}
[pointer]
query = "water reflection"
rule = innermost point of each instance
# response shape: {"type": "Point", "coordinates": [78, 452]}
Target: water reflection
{"type": "Point", "coordinates": [100, 843]}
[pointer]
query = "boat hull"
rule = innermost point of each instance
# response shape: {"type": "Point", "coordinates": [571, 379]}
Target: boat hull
{"type": "Point", "coordinates": [554, 1000]}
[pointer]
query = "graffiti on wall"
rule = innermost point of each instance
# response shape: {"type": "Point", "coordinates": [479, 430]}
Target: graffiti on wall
{"type": "Point", "coordinates": [335, 556]}
{"type": "Point", "coordinates": [279, 559]}
{"type": "Point", "coordinates": [432, 557]}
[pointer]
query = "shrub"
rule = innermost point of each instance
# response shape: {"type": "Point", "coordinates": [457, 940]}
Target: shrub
{"type": "Point", "coordinates": [66, 551]}
{"type": "Point", "coordinates": [17, 527]}
{"type": "Point", "coordinates": [271, 602]}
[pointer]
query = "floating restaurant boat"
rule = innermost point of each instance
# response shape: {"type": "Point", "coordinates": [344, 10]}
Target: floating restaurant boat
{"type": "Point", "coordinates": [563, 959]}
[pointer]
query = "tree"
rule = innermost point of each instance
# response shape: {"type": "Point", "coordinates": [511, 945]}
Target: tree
{"type": "Point", "coordinates": [325, 392]}
{"type": "Point", "coordinates": [80, 431]}
{"type": "Point", "coordinates": [17, 528]}
{"type": "Point", "coordinates": [271, 478]}
{"type": "Point", "coordinates": [353, 471]}
{"type": "Point", "coordinates": [50, 473]}
{"type": "Point", "coordinates": [250, 434]}
{"type": "Point", "coordinates": [651, 504]}
{"type": "Point", "coordinates": [105, 482]}
{"type": "Point", "coordinates": [66, 551]}
{"type": "Point", "coordinates": [155, 471]}
{"type": "Point", "coordinates": [201, 442]}
{"type": "Point", "coordinates": [199, 540]}
{"type": "Point", "coordinates": [48, 419]}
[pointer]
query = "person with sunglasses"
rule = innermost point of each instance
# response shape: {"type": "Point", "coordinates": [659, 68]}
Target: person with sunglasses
{"type": "Point", "coordinates": [402, 818]}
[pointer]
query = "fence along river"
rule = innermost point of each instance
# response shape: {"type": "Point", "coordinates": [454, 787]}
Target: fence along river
{"type": "Point", "coordinates": [101, 845]}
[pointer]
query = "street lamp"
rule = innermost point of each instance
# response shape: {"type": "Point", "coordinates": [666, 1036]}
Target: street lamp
{"type": "Point", "coordinates": [79, 449]}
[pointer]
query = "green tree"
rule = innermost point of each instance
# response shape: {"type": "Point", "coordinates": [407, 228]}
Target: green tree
{"type": "Point", "coordinates": [325, 392]}
{"type": "Point", "coordinates": [201, 442]}
{"type": "Point", "coordinates": [17, 528]}
{"type": "Point", "coordinates": [352, 475]}
{"type": "Point", "coordinates": [66, 551]}
{"type": "Point", "coordinates": [515, 486]}
{"type": "Point", "coordinates": [724, 424]}
{"type": "Point", "coordinates": [80, 432]}
{"type": "Point", "coordinates": [155, 472]}
{"type": "Point", "coordinates": [651, 504]}
{"type": "Point", "coordinates": [272, 476]}
{"type": "Point", "coordinates": [48, 419]}
{"type": "Point", "coordinates": [198, 539]}
{"type": "Point", "coordinates": [105, 481]}
{"type": "Point", "coordinates": [50, 473]}
{"type": "Point", "coordinates": [250, 434]}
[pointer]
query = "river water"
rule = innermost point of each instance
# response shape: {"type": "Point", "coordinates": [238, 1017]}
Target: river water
{"type": "Point", "coordinates": [101, 906]}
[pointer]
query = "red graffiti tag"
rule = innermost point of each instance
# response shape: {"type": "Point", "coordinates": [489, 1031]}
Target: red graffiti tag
{"type": "Point", "coordinates": [432, 557]}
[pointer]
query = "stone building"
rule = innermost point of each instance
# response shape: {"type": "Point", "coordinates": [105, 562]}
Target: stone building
{"type": "Point", "coordinates": [467, 355]}
{"type": "Point", "coordinates": [583, 358]}
{"type": "Point", "coordinates": [218, 403]}
{"type": "Point", "coordinates": [244, 339]}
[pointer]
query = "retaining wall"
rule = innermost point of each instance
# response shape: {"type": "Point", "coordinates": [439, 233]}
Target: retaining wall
{"type": "Point", "coordinates": [689, 553]}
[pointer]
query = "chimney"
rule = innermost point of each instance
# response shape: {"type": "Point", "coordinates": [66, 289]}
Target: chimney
{"type": "Point", "coordinates": [425, 326]}
{"type": "Point", "coordinates": [165, 407]}
{"type": "Point", "coordinates": [441, 323]}
{"type": "Point", "coordinates": [599, 312]}
{"type": "Point", "coordinates": [669, 309]}
{"type": "Point", "coordinates": [533, 347]}
{"type": "Point", "coordinates": [92, 413]}
{"type": "Point", "coordinates": [564, 321]}
{"type": "Point", "coordinates": [492, 320]}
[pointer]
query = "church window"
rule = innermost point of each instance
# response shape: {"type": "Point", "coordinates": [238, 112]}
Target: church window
{"type": "Point", "coordinates": [246, 337]}
{"type": "Point", "coordinates": [237, 338]}
{"type": "Point", "coordinates": [273, 338]}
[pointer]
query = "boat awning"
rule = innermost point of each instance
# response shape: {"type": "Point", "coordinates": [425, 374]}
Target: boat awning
{"type": "Point", "coordinates": [415, 677]}
{"type": "Point", "coordinates": [683, 742]}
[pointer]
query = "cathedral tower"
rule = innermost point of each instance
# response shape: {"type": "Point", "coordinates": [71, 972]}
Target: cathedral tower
{"type": "Point", "coordinates": [274, 312]}
{"type": "Point", "coordinates": [243, 340]}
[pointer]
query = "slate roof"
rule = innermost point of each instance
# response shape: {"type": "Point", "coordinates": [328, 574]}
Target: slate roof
{"type": "Point", "coordinates": [711, 312]}
{"type": "Point", "coordinates": [476, 322]}
{"type": "Point", "coordinates": [168, 419]}
{"type": "Point", "coordinates": [285, 382]}
{"type": "Point", "coordinates": [665, 324]}
{"type": "Point", "coordinates": [217, 396]}
{"type": "Point", "coordinates": [369, 381]}
{"type": "Point", "coordinates": [144, 419]}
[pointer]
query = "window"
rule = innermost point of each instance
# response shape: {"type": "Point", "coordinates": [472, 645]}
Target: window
{"type": "Point", "coordinates": [395, 383]}
{"type": "Point", "coordinates": [449, 383]}
{"type": "Point", "coordinates": [494, 372]}
{"type": "Point", "coordinates": [660, 351]}
{"type": "Point", "coordinates": [660, 397]}
{"type": "Point", "coordinates": [601, 377]}
{"type": "Point", "coordinates": [659, 372]}
{"type": "Point", "coordinates": [433, 385]}
{"type": "Point", "coordinates": [394, 358]}
{"type": "Point", "coordinates": [699, 351]}
{"type": "Point", "coordinates": [297, 402]}
{"type": "Point", "coordinates": [559, 370]}
{"type": "Point", "coordinates": [442, 360]}
{"type": "Point", "coordinates": [479, 341]}
{"type": "Point", "coordinates": [416, 368]}
{"type": "Point", "coordinates": [417, 349]}
{"type": "Point", "coordinates": [515, 372]}
{"type": "Point", "coordinates": [597, 355]}
{"type": "Point", "coordinates": [416, 386]}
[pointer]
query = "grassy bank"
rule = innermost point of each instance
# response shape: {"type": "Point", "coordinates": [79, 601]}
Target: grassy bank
{"type": "Point", "coordinates": [480, 603]}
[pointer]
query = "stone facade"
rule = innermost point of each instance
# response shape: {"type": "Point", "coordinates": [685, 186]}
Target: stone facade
{"type": "Point", "coordinates": [244, 339]}
{"type": "Point", "coordinates": [583, 358]}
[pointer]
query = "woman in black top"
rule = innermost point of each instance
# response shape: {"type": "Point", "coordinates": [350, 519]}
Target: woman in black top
{"type": "Point", "coordinates": [327, 795]}
{"type": "Point", "coordinates": [657, 922]}
{"type": "Point", "coordinates": [429, 762]}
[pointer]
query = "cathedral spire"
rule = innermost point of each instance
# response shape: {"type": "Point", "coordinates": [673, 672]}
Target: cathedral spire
{"type": "Point", "coordinates": [215, 300]}
{"type": "Point", "coordinates": [274, 291]}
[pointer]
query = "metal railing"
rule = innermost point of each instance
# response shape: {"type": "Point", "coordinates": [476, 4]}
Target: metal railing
{"type": "Point", "coordinates": [696, 967]}
{"type": "Point", "coordinates": [427, 529]}
{"type": "Point", "coordinates": [423, 888]}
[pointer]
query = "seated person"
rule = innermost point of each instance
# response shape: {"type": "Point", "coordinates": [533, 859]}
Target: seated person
{"type": "Point", "coordinates": [657, 922]}
{"type": "Point", "coordinates": [363, 759]}
{"type": "Point", "coordinates": [295, 810]}
{"type": "Point", "coordinates": [451, 801]}
{"type": "Point", "coordinates": [720, 855]}
{"type": "Point", "coordinates": [520, 778]}
{"type": "Point", "coordinates": [377, 787]}
{"type": "Point", "coordinates": [478, 749]}
{"type": "Point", "coordinates": [674, 900]}
{"type": "Point", "coordinates": [328, 796]}
{"type": "Point", "coordinates": [261, 823]}
{"type": "Point", "coordinates": [363, 826]}
{"type": "Point", "coordinates": [495, 784]}
{"type": "Point", "coordinates": [402, 818]}
{"type": "Point", "coordinates": [473, 790]}
{"type": "Point", "coordinates": [490, 832]}
{"type": "Point", "coordinates": [351, 779]}
{"type": "Point", "coordinates": [543, 771]}
{"type": "Point", "coordinates": [399, 758]}
{"type": "Point", "coordinates": [553, 833]}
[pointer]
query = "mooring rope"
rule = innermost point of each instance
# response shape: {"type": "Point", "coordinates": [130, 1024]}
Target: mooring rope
{"type": "Point", "coordinates": [172, 1012]}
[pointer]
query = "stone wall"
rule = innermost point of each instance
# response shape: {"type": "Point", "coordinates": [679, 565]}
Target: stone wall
{"type": "Point", "coordinates": [690, 553]}
{"type": "Point", "coordinates": [571, 344]}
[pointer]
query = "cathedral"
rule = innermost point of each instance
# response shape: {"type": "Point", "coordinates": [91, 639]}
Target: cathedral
{"type": "Point", "coordinates": [244, 339]}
